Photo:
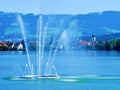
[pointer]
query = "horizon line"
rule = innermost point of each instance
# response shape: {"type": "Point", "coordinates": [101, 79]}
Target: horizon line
{"type": "Point", "coordinates": [99, 12]}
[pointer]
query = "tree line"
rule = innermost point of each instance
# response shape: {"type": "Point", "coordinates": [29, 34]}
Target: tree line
{"type": "Point", "coordinates": [109, 45]}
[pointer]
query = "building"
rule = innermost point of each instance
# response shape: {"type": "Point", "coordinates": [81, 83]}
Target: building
{"type": "Point", "coordinates": [17, 46]}
{"type": "Point", "coordinates": [3, 46]}
{"type": "Point", "coordinates": [93, 37]}
{"type": "Point", "coordinates": [85, 43]}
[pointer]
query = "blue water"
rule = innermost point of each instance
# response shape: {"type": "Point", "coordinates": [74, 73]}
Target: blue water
{"type": "Point", "coordinates": [77, 70]}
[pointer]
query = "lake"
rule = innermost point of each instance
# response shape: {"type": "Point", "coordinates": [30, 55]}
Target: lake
{"type": "Point", "coordinates": [77, 70]}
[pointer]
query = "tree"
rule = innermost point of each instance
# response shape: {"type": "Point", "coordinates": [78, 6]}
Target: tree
{"type": "Point", "coordinates": [118, 44]}
{"type": "Point", "coordinates": [114, 43]}
{"type": "Point", "coordinates": [100, 45]}
{"type": "Point", "coordinates": [109, 45]}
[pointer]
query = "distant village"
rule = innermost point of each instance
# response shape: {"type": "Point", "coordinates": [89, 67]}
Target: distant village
{"type": "Point", "coordinates": [76, 44]}
{"type": "Point", "coordinates": [20, 45]}
{"type": "Point", "coordinates": [17, 46]}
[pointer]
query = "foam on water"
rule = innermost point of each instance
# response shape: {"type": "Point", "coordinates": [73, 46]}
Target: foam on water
{"type": "Point", "coordinates": [64, 78]}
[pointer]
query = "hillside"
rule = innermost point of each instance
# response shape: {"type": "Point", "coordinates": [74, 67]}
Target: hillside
{"type": "Point", "coordinates": [102, 24]}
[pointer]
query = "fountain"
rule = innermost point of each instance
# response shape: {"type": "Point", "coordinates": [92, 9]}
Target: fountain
{"type": "Point", "coordinates": [50, 71]}
{"type": "Point", "coordinates": [65, 40]}
{"type": "Point", "coordinates": [24, 38]}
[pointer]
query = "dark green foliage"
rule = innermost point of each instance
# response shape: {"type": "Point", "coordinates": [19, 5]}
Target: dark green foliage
{"type": "Point", "coordinates": [4, 48]}
{"type": "Point", "coordinates": [100, 45]}
{"type": "Point", "coordinates": [109, 45]}
{"type": "Point", "coordinates": [113, 42]}
{"type": "Point", "coordinates": [118, 44]}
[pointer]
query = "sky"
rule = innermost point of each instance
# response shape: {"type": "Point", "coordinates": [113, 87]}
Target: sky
{"type": "Point", "coordinates": [59, 6]}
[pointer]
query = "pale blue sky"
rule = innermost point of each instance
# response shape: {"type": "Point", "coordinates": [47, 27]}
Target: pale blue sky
{"type": "Point", "coordinates": [59, 6]}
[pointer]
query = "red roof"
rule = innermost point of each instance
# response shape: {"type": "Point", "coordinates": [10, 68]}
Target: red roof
{"type": "Point", "coordinates": [3, 44]}
{"type": "Point", "coordinates": [85, 43]}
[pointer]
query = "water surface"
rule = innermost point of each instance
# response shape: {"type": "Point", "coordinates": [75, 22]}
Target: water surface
{"type": "Point", "coordinates": [78, 70]}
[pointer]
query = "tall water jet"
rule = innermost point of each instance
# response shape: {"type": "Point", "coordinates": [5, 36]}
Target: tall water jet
{"type": "Point", "coordinates": [47, 70]}
{"type": "Point", "coordinates": [65, 40]}
{"type": "Point", "coordinates": [40, 41]}
{"type": "Point", "coordinates": [39, 46]}
{"type": "Point", "coordinates": [49, 65]}
{"type": "Point", "coordinates": [21, 23]}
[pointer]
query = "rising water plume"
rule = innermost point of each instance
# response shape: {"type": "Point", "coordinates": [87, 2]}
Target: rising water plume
{"type": "Point", "coordinates": [21, 23]}
{"type": "Point", "coordinates": [40, 40]}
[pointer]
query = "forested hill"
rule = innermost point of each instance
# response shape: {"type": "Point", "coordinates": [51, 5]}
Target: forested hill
{"type": "Point", "coordinates": [102, 24]}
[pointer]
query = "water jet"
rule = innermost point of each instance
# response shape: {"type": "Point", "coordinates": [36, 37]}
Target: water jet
{"type": "Point", "coordinates": [50, 71]}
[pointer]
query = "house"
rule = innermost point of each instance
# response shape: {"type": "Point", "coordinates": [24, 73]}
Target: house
{"type": "Point", "coordinates": [17, 46]}
{"type": "Point", "coordinates": [3, 46]}
{"type": "Point", "coordinates": [93, 38]}
{"type": "Point", "coordinates": [85, 43]}
{"type": "Point", "coordinates": [20, 47]}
